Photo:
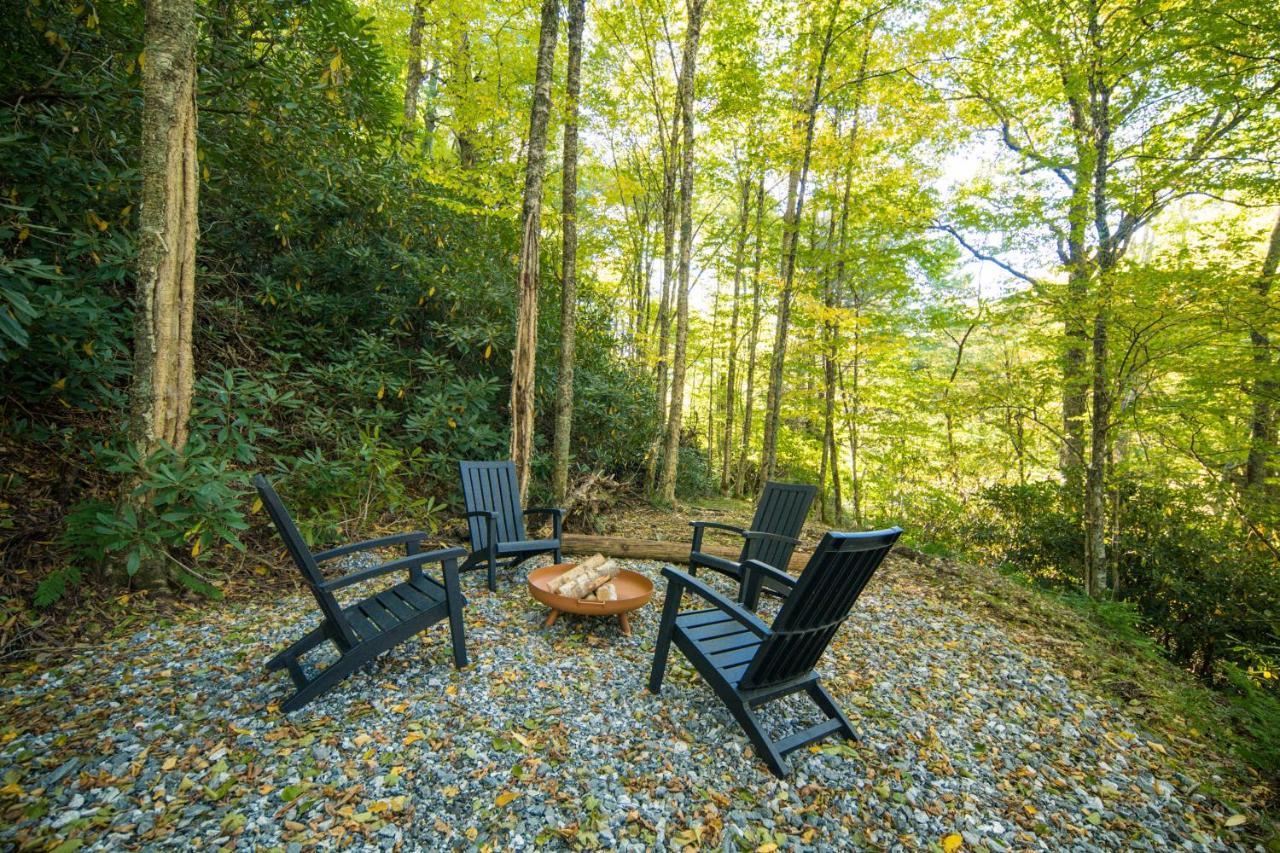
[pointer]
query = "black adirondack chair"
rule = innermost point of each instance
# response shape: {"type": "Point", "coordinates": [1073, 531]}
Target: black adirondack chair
{"type": "Point", "coordinates": [748, 663]}
{"type": "Point", "coordinates": [370, 627]}
{"type": "Point", "coordinates": [771, 538]}
{"type": "Point", "coordinates": [496, 521]}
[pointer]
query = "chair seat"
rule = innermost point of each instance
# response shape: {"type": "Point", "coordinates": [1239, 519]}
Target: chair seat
{"type": "Point", "coordinates": [404, 601]}
{"type": "Point", "coordinates": [525, 546]}
{"type": "Point", "coordinates": [722, 640]}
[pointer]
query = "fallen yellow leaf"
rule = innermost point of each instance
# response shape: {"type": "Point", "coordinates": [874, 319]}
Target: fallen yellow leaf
{"type": "Point", "coordinates": [1237, 820]}
{"type": "Point", "coordinates": [951, 843]}
{"type": "Point", "coordinates": [413, 737]}
{"type": "Point", "coordinates": [505, 797]}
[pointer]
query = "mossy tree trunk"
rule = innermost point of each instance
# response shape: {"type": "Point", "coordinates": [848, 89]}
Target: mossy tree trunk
{"type": "Point", "coordinates": [163, 361]}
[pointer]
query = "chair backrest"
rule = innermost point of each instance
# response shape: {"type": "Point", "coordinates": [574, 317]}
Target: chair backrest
{"type": "Point", "coordinates": [302, 557]}
{"type": "Point", "coordinates": [820, 602]}
{"type": "Point", "coordinates": [492, 486]}
{"type": "Point", "coordinates": [782, 509]}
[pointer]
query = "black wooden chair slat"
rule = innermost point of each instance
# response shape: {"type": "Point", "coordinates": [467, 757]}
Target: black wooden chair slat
{"type": "Point", "coordinates": [695, 618]}
{"type": "Point", "coordinates": [781, 510]}
{"type": "Point", "coordinates": [397, 605]}
{"type": "Point", "coordinates": [367, 628]}
{"type": "Point", "coordinates": [417, 596]}
{"type": "Point", "coordinates": [747, 665]}
{"type": "Point", "coordinates": [491, 488]}
{"type": "Point", "coordinates": [728, 642]}
{"type": "Point", "coordinates": [363, 626]}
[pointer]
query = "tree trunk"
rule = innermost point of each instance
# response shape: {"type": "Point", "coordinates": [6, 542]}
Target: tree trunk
{"type": "Point", "coordinates": [688, 71]}
{"type": "Point", "coordinates": [163, 361]}
{"type": "Point", "coordinates": [413, 75]}
{"type": "Point", "coordinates": [526, 349]}
{"type": "Point", "coordinates": [569, 227]}
{"type": "Point", "coordinates": [432, 118]}
{"type": "Point", "coordinates": [1262, 429]}
{"type": "Point", "coordinates": [731, 381]}
{"type": "Point", "coordinates": [773, 410]}
{"type": "Point", "coordinates": [670, 173]}
{"type": "Point", "coordinates": [753, 339]}
{"type": "Point", "coordinates": [163, 368]}
{"type": "Point", "coordinates": [853, 413]}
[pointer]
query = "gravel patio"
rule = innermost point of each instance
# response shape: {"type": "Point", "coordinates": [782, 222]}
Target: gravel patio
{"type": "Point", "coordinates": [549, 738]}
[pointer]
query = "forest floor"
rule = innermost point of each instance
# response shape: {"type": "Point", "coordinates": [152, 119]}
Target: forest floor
{"type": "Point", "coordinates": [990, 716]}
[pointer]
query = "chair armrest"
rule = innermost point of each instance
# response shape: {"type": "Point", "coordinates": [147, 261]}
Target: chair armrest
{"type": "Point", "coordinates": [370, 544]}
{"type": "Point", "coordinates": [678, 582]}
{"type": "Point", "coordinates": [777, 537]}
{"type": "Point", "coordinates": [557, 518]}
{"type": "Point", "coordinates": [756, 568]}
{"type": "Point", "coordinates": [700, 527]}
{"type": "Point", "coordinates": [413, 561]}
{"type": "Point", "coordinates": [697, 525]}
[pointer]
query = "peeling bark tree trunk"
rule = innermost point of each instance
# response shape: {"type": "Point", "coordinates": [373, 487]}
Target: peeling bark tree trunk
{"type": "Point", "coordinates": [163, 362]}
{"type": "Point", "coordinates": [163, 369]}
{"type": "Point", "coordinates": [1262, 432]}
{"type": "Point", "coordinates": [731, 381]}
{"type": "Point", "coordinates": [526, 349]}
{"type": "Point", "coordinates": [413, 74]}
{"type": "Point", "coordinates": [569, 227]}
{"type": "Point", "coordinates": [773, 410]}
{"type": "Point", "coordinates": [753, 339]}
{"type": "Point", "coordinates": [688, 71]}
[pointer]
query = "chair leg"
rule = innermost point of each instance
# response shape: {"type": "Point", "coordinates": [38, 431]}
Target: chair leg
{"type": "Point", "coordinates": [493, 572]}
{"type": "Point", "coordinates": [666, 628]}
{"type": "Point", "coordinates": [312, 639]}
{"type": "Point", "coordinates": [755, 732]}
{"type": "Point", "coordinates": [829, 707]}
{"type": "Point", "coordinates": [457, 631]}
{"type": "Point", "coordinates": [559, 557]}
{"type": "Point", "coordinates": [323, 682]}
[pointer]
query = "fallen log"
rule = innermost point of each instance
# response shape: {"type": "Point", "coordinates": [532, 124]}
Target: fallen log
{"type": "Point", "coordinates": [655, 549]}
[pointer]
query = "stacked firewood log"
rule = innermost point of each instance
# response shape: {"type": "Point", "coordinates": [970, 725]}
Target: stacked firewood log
{"type": "Point", "coordinates": [590, 580]}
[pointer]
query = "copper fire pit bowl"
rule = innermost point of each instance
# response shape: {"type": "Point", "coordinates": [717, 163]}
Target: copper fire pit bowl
{"type": "Point", "coordinates": [634, 591]}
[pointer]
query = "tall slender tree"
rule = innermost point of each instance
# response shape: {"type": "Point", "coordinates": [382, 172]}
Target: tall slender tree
{"type": "Point", "coordinates": [731, 379]}
{"type": "Point", "coordinates": [753, 340]}
{"type": "Point", "coordinates": [1265, 389]}
{"type": "Point", "coordinates": [413, 71]}
{"type": "Point", "coordinates": [688, 72]}
{"type": "Point", "coordinates": [795, 211]}
{"type": "Point", "coordinates": [569, 261]}
{"type": "Point", "coordinates": [526, 347]}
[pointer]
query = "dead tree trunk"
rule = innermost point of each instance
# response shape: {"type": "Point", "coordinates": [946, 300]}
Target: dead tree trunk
{"type": "Point", "coordinates": [688, 71]}
{"type": "Point", "coordinates": [569, 228]}
{"type": "Point", "coordinates": [526, 349]}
